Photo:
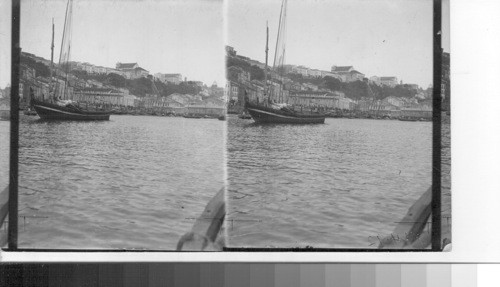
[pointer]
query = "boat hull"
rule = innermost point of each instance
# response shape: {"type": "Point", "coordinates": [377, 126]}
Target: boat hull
{"type": "Point", "coordinates": [5, 115]}
{"type": "Point", "coordinates": [265, 115]}
{"type": "Point", "coordinates": [48, 111]}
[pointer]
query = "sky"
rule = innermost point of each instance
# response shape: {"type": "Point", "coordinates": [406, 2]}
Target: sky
{"type": "Point", "coordinates": [377, 37]}
{"type": "Point", "coordinates": [5, 26]}
{"type": "Point", "coordinates": [167, 36]}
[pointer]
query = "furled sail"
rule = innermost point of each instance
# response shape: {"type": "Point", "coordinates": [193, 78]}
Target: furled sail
{"type": "Point", "coordinates": [64, 56]}
{"type": "Point", "coordinates": [275, 91]}
{"type": "Point", "coordinates": [279, 55]}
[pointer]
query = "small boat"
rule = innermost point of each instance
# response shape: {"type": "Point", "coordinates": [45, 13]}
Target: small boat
{"type": "Point", "coordinates": [245, 115]}
{"type": "Point", "coordinates": [68, 111]}
{"type": "Point", "coordinates": [191, 116]}
{"type": "Point", "coordinates": [29, 112]}
{"type": "Point", "coordinates": [222, 118]}
{"type": "Point", "coordinates": [408, 119]}
{"type": "Point", "coordinates": [263, 114]}
{"type": "Point", "coordinates": [4, 115]}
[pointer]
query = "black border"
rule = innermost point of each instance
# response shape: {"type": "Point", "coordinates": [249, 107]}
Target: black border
{"type": "Point", "coordinates": [436, 130]}
{"type": "Point", "coordinates": [14, 125]}
{"type": "Point", "coordinates": [436, 156]}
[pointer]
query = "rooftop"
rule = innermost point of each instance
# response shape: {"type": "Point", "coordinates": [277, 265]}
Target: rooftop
{"type": "Point", "coordinates": [341, 68]}
{"type": "Point", "coordinates": [125, 65]}
{"type": "Point", "coordinates": [388, 78]}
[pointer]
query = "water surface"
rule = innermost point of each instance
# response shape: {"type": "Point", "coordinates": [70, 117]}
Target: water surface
{"type": "Point", "coordinates": [131, 182]}
{"type": "Point", "coordinates": [339, 184]}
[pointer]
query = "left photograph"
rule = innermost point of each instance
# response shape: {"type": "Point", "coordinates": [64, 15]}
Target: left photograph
{"type": "Point", "coordinates": [122, 125]}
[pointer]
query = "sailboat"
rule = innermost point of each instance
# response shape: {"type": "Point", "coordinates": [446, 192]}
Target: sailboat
{"type": "Point", "coordinates": [56, 108]}
{"type": "Point", "coordinates": [271, 111]}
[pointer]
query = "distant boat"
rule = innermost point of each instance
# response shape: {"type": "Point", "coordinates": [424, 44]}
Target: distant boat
{"type": "Point", "coordinates": [279, 113]}
{"type": "Point", "coordinates": [192, 116]}
{"type": "Point", "coordinates": [222, 118]}
{"type": "Point", "coordinates": [244, 115]}
{"type": "Point", "coordinates": [4, 112]}
{"type": "Point", "coordinates": [30, 112]}
{"type": "Point", "coordinates": [55, 108]}
{"type": "Point", "coordinates": [30, 109]}
{"type": "Point", "coordinates": [408, 119]}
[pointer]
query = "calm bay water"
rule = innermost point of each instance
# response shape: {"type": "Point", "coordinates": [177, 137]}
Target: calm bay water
{"type": "Point", "coordinates": [136, 182]}
{"type": "Point", "coordinates": [132, 182]}
{"type": "Point", "coordinates": [340, 184]}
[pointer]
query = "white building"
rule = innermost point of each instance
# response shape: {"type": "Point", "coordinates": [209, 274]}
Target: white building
{"type": "Point", "coordinates": [169, 78]}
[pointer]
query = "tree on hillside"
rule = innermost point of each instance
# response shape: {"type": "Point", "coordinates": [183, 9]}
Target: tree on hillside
{"type": "Point", "coordinates": [116, 80]}
{"type": "Point", "coordinates": [182, 88]}
{"type": "Point", "coordinates": [256, 73]}
{"type": "Point", "coordinates": [357, 90]}
{"type": "Point", "coordinates": [40, 68]}
{"type": "Point", "coordinates": [80, 74]}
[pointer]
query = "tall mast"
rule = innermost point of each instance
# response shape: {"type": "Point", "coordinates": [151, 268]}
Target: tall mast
{"type": "Point", "coordinates": [278, 36]}
{"type": "Point", "coordinates": [51, 60]}
{"type": "Point", "coordinates": [52, 51]}
{"type": "Point", "coordinates": [267, 51]}
{"type": "Point", "coordinates": [64, 56]}
{"type": "Point", "coordinates": [279, 53]}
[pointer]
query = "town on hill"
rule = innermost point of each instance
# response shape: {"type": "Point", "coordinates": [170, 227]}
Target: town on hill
{"type": "Point", "coordinates": [341, 92]}
{"type": "Point", "coordinates": [126, 89]}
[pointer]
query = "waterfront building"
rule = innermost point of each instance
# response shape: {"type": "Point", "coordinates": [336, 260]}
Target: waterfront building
{"type": "Point", "coordinates": [417, 113]}
{"type": "Point", "coordinates": [99, 96]}
{"type": "Point", "coordinates": [311, 99]}
{"type": "Point", "coordinates": [185, 99]}
{"type": "Point", "coordinates": [254, 91]}
{"type": "Point", "coordinates": [232, 90]}
{"type": "Point", "coordinates": [204, 110]}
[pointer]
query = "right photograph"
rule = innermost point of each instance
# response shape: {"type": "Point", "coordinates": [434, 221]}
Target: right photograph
{"type": "Point", "coordinates": [329, 127]}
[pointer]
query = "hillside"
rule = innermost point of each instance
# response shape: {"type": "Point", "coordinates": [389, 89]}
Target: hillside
{"type": "Point", "coordinates": [354, 90]}
{"type": "Point", "coordinates": [137, 87]}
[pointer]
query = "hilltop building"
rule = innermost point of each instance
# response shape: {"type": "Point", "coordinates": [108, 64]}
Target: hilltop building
{"type": "Point", "coordinates": [347, 73]}
{"type": "Point", "coordinates": [169, 78]}
{"type": "Point", "coordinates": [389, 81]}
{"type": "Point", "coordinates": [230, 51]}
{"type": "Point", "coordinates": [131, 70]}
